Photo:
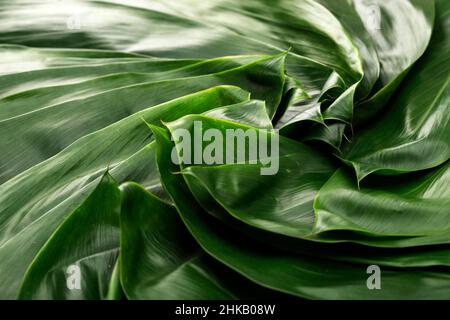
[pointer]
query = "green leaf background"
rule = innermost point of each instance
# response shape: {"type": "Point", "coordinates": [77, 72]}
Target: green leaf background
{"type": "Point", "coordinates": [91, 93]}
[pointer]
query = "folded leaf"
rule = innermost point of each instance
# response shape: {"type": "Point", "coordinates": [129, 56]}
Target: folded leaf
{"type": "Point", "coordinates": [279, 202]}
{"type": "Point", "coordinates": [413, 133]}
{"type": "Point", "coordinates": [171, 265]}
{"type": "Point", "coordinates": [277, 269]}
{"type": "Point", "coordinates": [414, 205]}
{"type": "Point", "coordinates": [78, 259]}
{"type": "Point", "coordinates": [32, 208]}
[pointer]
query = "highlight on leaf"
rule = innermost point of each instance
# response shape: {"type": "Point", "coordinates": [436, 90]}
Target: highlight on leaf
{"type": "Point", "coordinates": [225, 150]}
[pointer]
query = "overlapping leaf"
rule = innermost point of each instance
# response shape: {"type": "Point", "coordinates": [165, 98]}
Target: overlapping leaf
{"type": "Point", "coordinates": [277, 269]}
{"type": "Point", "coordinates": [413, 133]}
{"type": "Point", "coordinates": [359, 90]}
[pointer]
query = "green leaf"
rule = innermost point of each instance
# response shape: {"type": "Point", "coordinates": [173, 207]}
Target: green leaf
{"type": "Point", "coordinates": [32, 208]}
{"type": "Point", "coordinates": [42, 134]}
{"type": "Point", "coordinates": [77, 260]}
{"type": "Point", "coordinates": [278, 202]}
{"type": "Point", "coordinates": [413, 133]}
{"type": "Point", "coordinates": [337, 86]}
{"type": "Point", "coordinates": [348, 16]}
{"type": "Point", "coordinates": [403, 36]}
{"type": "Point", "coordinates": [171, 265]}
{"type": "Point", "coordinates": [280, 270]}
{"type": "Point", "coordinates": [98, 80]}
{"type": "Point", "coordinates": [115, 291]}
{"type": "Point", "coordinates": [221, 28]}
{"type": "Point", "coordinates": [415, 206]}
